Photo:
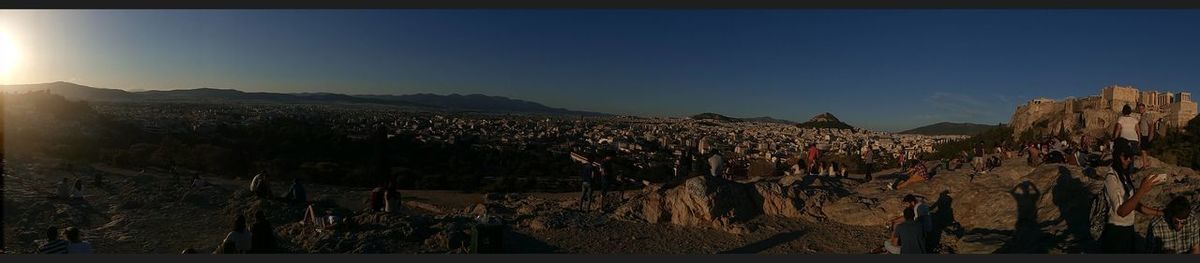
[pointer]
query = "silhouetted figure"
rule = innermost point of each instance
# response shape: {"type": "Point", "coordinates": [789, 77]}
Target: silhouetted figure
{"type": "Point", "coordinates": [53, 244]}
{"type": "Point", "coordinates": [261, 186]}
{"type": "Point", "coordinates": [377, 199]}
{"type": "Point", "coordinates": [587, 175]}
{"type": "Point", "coordinates": [77, 192]}
{"type": "Point", "coordinates": [296, 192]}
{"type": "Point", "coordinates": [262, 238]}
{"type": "Point", "coordinates": [868, 156]}
{"type": "Point", "coordinates": [75, 244]}
{"type": "Point", "coordinates": [64, 189]}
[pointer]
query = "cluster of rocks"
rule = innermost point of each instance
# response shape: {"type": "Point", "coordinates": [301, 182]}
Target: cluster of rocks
{"type": "Point", "coordinates": [727, 205]}
{"type": "Point", "coordinates": [1012, 209]}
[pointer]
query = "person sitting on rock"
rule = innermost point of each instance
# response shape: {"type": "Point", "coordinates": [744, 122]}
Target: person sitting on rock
{"type": "Point", "coordinates": [333, 220]}
{"type": "Point", "coordinates": [53, 244]}
{"type": "Point", "coordinates": [262, 234]}
{"type": "Point", "coordinates": [77, 192]}
{"type": "Point", "coordinates": [377, 199]}
{"type": "Point", "coordinates": [198, 182]}
{"type": "Point", "coordinates": [296, 192]}
{"type": "Point", "coordinates": [238, 237]}
{"type": "Point", "coordinates": [97, 177]}
{"type": "Point", "coordinates": [1176, 231]}
{"type": "Point", "coordinates": [908, 237]}
{"type": "Point", "coordinates": [391, 201]}
{"type": "Point", "coordinates": [76, 245]}
{"type": "Point", "coordinates": [226, 247]}
{"type": "Point", "coordinates": [393, 190]}
{"type": "Point", "coordinates": [916, 173]}
{"type": "Point", "coordinates": [260, 185]}
{"type": "Point", "coordinates": [64, 189]}
{"type": "Point", "coordinates": [910, 201]}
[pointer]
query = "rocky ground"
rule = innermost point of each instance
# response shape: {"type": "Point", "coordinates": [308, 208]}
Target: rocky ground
{"type": "Point", "coordinates": [155, 212]}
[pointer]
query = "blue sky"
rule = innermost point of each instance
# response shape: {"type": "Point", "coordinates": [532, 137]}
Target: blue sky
{"type": "Point", "coordinates": [878, 69]}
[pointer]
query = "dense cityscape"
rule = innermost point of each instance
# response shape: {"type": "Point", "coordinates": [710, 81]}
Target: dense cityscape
{"type": "Point", "coordinates": [645, 140]}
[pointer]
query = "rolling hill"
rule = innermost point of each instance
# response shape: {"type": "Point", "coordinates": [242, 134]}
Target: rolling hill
{"type": "Point", "coordinates": [453, 102]}
{"type": "Point", "coordinates": [825, 120]}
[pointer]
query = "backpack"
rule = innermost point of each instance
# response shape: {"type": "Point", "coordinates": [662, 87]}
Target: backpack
{"type": "Point", "coordinates": [1099, 214]}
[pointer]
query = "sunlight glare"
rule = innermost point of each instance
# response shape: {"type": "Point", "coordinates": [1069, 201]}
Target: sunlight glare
{"type": "Point", "coordinates": [10, 54]}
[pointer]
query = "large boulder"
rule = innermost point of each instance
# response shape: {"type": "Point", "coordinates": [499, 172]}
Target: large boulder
{"type": "Point", "coordinates": [722, 204]}
{"type": "Point", "coordinates": [699, 201]}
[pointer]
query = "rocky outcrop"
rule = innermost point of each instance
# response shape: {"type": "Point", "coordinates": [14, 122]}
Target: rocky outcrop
{"type": "Point", "coordinates": [722, 204]}
{"type": "Point", "coordinates": [1071, 117]}
{"type": "Point", "coordinates": [1012, 209]}
{"type": "Point", "coordinates": [699, 201]}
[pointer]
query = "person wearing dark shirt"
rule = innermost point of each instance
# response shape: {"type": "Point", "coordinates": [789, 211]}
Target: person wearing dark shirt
{"type": "Point", "coordinates": [296, 193]}
{"type": "Point", "coordinates": [604, 169]}
{"type": "Point", "coordinates": [908, 237]}
{"type": "Point", "coordinates": [377, 199]}
{"type": "Point", "coordinates": [53, 244]}
{"type": "Point", "coordinates": [262, 235]}
{"type": "Point", "coordinates": [586, 175]}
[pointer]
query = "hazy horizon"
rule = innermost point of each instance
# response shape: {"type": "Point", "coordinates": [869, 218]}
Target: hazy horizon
{"type": "Point", "coordinates": [887, 70]}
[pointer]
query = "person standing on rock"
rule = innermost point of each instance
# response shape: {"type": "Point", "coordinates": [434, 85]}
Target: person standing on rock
{"type": "Point", "coordinates": [238, 237]}
{"type": "Point", "coordinates": [868, 156]}
{"type": "Point", "coordinates": [1145, 134]}
{"type": "Point", "coordinates": [1176, 231]}
{"type": "Point", "coordinates": [604, 175]}
{"type": "Point", "coordinates": [586, 175]}
{"type": "Point", "coordinates": [1119, 235]}
{"type": "Point", "coordinates": [1125, 132]}
{"type": "Point", "coordinates": [813, 153]}
{"type": "Point", "coordinates": [977, 160]}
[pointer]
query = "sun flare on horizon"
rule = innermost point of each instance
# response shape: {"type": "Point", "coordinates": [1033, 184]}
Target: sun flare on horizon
{"type": "Point", "coordinates": [10, 55]}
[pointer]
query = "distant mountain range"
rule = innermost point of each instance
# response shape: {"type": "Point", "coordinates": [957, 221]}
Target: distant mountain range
{"type": "Point", "coordinates": [950, 128]}
{"type": "Point", "coordinates": [715, 117]}
{"type": "Point", "coordinates": [825, 120]}
{"type": "Point", "coordinates": [452, 102]}
{"type": "Point", "coordinates": [719, 117]}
